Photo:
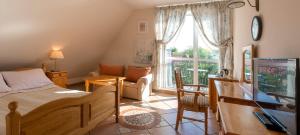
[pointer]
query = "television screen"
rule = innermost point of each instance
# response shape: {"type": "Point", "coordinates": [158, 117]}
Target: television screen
{"type": "Point", "coordinates": [275, 84]}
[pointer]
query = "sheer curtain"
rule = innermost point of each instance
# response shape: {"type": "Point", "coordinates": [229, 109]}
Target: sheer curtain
{"type": "Point", "coordinates": [215, 23]}
{"type": "Point", "coordinates": [168, 22]}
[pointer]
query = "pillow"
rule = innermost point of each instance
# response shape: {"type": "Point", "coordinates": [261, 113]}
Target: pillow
{"type": "Point", "coordinates": [135, 73]}
{"type": "Point", "coordinates": [27, 79]}
{"type": "Point", "coordinates": [3, 86]}
{"type": "Point", "coordinates": [114, 70]}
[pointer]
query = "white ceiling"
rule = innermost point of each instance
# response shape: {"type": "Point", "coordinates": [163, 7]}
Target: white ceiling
{"type": "Point", "coordinates": [140, 4]}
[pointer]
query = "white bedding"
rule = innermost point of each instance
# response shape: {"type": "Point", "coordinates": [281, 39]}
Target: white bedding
{"type": "Point", "coordinates": [26, 79]}
{"type": "Point", "coordinates": [30, 99]}
{"type": "Point", "coordinates": [3, 85]}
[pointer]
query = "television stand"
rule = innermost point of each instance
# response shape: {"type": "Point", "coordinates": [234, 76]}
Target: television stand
{"type": "Point", "coordinates": [268, 122]}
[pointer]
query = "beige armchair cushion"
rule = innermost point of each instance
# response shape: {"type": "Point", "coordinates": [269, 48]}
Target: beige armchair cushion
{"type": "Point", "coordinates": [130, 90]}
{"type": "Point", "coordinates": [115, 70]}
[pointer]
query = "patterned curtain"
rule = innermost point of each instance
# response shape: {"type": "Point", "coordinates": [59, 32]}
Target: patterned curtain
{"type": "Point", "coordinates": [215, 23]}
{"type": "Point", "coordinates": [168, 22]}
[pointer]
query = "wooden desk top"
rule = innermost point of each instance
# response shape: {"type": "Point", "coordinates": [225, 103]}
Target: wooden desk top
{"type": "Point", "coordinates": [218, 77]}
{"type": "Point", "coordinates": [239, 119]}
{"type": "Point", "coordinates": [234, 90]}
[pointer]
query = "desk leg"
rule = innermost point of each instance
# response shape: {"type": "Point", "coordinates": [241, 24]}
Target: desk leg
{"type": "Point", "coordinates": [213, 101]}
{"type": "Point", "coordinates": [122, 87]}
{"type": "Point", "coordinates": [218, 117]}
{"type": "Point", "coordinates": [87, 86]}
{"type": "Point", "coordinates": [117, 100]}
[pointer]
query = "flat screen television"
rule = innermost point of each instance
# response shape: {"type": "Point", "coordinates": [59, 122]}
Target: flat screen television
{"type": "Point", "coordinates": [276, 92]}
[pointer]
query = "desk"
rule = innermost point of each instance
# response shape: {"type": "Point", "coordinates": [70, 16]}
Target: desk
{"type": "Point", "coordinates": [240, 120]}
{"type": "Point", "coordinates": [212, 92]}
{"type": "Point", "coordinates": [232, 90]}
{"type": "Point", "coordinates": [103, 80]}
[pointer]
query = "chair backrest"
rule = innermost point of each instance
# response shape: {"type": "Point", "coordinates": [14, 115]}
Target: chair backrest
{"type": "Point", "coordinates": [179, 83]}
{"type": "Point", "coordinates": [178, 79]}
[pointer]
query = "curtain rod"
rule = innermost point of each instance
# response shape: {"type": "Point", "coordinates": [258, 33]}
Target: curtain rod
{"type": "Point", "coordinates": [180, 3]}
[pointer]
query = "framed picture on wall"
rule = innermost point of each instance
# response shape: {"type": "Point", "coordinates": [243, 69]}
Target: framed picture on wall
{"type": "Point", "coordinates": [143, 51]}
{"type": "Point", "coordinates": [142, 27]}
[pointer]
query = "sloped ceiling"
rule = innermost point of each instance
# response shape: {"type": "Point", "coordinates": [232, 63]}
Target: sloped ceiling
{"type": "Point", "coordinates": [82, 29]}
{"type": "Point", "coordinates": [140, 4]}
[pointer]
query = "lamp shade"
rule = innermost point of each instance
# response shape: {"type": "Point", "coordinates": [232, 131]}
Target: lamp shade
{"type": "Point", "coordinates": [235, 4]}
{"type": "Point", "coordinates": [56, 54]}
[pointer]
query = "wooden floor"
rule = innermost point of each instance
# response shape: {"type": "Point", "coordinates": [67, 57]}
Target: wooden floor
{"type": "Point", "coordinates": [166, 105]}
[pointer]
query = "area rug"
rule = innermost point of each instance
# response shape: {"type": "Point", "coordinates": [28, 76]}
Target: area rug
{"type": "Point", "coordinates": [139, 118]}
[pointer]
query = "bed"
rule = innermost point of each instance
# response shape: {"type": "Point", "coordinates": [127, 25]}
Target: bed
{"type": "Point", "coordinates": [52, 110]}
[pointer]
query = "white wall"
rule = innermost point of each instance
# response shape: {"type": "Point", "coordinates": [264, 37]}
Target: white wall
{"type": "Point", "coordinates": [122, 50]}
{"type": "Point", "coordinates": [83, 29]}
{"type": "Point", "coordinates": [281, 30]}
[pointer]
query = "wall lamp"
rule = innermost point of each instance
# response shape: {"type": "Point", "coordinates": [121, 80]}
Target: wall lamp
{"type": "Point", "coordinates": [240, 3]}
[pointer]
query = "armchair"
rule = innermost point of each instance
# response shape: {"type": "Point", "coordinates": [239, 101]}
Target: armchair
{"type": "Point", "coordinates": [139, 90]}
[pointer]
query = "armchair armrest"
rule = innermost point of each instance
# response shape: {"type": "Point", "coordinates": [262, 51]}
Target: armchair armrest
{"type": "Point", "coordinates": [143, 87]}
{"type": "Point", "coordinates": [194, 85]}
{"type": "Point", "coordinates": [195, 92]}
{"type": "Point", "coordinates": [145, 80]}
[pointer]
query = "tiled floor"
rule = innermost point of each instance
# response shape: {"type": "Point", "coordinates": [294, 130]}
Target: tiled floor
{"type": "Point", "coordinates": [165, 105]}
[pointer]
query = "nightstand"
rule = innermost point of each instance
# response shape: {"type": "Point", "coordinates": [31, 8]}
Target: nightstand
{"type": "Point", "coordinates": [59, 78]}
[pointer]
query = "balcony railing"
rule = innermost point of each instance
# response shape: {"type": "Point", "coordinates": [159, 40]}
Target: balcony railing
{"type": "Point", "coordinates": [205, 67]}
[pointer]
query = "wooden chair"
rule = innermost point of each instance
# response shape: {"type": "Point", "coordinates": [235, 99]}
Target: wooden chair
{"type": "Point", "coordinates": [195, 101]}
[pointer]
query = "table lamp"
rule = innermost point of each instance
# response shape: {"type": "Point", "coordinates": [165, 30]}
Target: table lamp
{"type": "Point", "coordinates": [55, 55]}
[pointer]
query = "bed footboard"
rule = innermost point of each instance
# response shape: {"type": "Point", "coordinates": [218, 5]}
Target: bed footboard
{"type": "Point", "coordinates": [76, 116]}
{"type": "Point", "coordinates": [13, 120]}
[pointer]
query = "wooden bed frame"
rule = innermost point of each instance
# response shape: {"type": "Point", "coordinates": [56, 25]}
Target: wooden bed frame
{"type": "Point", "coordinates": [76, 116]}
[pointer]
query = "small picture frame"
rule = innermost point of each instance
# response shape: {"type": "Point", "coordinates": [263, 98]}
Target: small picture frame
{"type": "Point", "coordinates": [142, 27]}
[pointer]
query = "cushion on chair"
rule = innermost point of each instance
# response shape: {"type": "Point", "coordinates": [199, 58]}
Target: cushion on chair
{"type": "Point", "coordinates": [115, 70]}
{"type": "Point", "coordinates": [189, 100]}
{"type": "Point", "coordinates": [134, 73]}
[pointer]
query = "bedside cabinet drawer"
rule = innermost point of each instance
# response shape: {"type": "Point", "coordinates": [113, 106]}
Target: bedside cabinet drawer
{"type": "Point", "coordinates": [50, 75]}
{"type": "Point", "coordinates": [60, 81]}
{"type": "Point", "coordinates": [63, 74]}
{"type": "Point", "coordinates": [58, 78]}
{"type": "Point", "coordinates": [56, 74]}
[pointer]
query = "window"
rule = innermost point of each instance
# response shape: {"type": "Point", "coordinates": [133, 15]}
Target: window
{"type": "Point", "coordinates": [189, 51]}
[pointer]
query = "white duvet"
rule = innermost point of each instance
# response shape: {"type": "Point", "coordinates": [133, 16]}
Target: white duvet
{"type": "Point", "coordinates": [30, 99]}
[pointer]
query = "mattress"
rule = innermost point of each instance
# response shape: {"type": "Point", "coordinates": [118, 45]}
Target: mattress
{"type": "Point", "coordinates": [30, 99]}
